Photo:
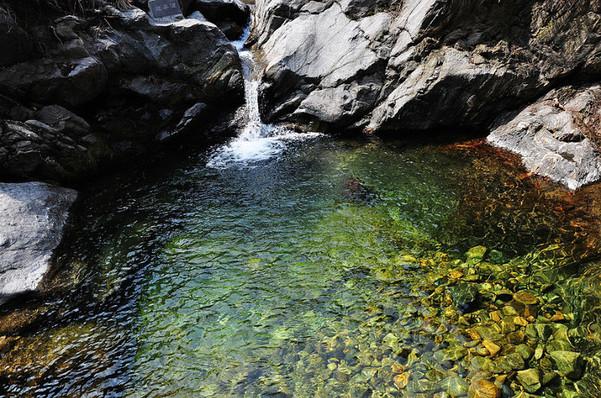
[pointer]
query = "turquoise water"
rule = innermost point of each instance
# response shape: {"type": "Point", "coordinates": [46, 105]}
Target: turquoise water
{"type": "Point", "coordinates": [312, 274]}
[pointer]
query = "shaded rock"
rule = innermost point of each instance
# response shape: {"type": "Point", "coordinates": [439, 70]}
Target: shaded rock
{"type": "Point", "coordinates": [229, 15]}
{"type": "Point", "coordinates": [556, 136]}
{"type": "Point", "coordinates": [34, 215]}
{"type": "Point", "coordinates": [129, 76]}
{"type": "Point", "coordinates": [15, 43]}
{"type": "Point", "coordinates": [67, 81]}
{"type": "Point", "coordinates": [33, 148]}
{"type": "Point", "coordinates": [192, 119]}
{"type": "Point", "coordinates": [465, 296]}
{"type": "Point", "coordinates": [62, 120]}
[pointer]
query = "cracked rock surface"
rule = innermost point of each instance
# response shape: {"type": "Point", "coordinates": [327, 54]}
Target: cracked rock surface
{"type": "Point", "coordinates": [556, 135]}
{"type": "Point", "coordinates": [418, 65]}
{"type": "Point", "coordinates": [33, 218]}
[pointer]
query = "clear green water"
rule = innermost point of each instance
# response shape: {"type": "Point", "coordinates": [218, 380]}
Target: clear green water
{"type": "Point", "coordinates": [314, 274]}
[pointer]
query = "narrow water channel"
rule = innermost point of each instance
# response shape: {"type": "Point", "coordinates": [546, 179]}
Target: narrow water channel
{"type": "Point", "coordinates": [299, 265]}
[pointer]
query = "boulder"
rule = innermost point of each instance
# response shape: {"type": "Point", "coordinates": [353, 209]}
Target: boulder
{"type": "Point", "coordinates": [33, 219]}
{"type": "Point", "coordinates": [400, 67]}
{"type": "Point", "coordinates": [557, 136]}
{"type": "Point", "coordinates": [105, 86]}
{"type": "Point", "coordinates": [66, 81]}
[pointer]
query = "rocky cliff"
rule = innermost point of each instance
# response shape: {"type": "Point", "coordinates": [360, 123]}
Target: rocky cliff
{"type": "Point", "coordinates": [406, 67]}
{"type": "Point", "coordinates": [79, 91]}
{"type": "Point", "coordinates": [87, 84]}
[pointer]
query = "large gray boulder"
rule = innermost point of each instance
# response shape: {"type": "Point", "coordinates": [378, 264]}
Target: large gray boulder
{"type": "Point", "coordinates": [33, 219]}
{"type": "Point", "coordinates": [556, 135]}
{"type": "Point", "coordinates": [394, 66]}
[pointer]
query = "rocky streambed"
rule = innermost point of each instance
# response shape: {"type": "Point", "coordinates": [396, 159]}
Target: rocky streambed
{"type": "Point", "coordinates": [283, 262]}
{"type": "Point", "coordinates": [339, 267]}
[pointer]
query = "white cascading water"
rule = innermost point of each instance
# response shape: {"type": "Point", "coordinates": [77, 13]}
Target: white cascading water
{"type": "Point", "coordinates": [257, 141]}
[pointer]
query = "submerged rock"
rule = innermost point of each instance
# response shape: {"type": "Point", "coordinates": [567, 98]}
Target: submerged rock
{"type": "Point", "coordinates": [465, 296]}
{"type": "Point", "coordinates": [355, 190]}
{"type": "Point", "coordinates": [530, 379]}
{"type": "Point", "coordinates": [569, 363]}
{"type": "Point", "coordinates": [483, 389]}
{"type": "Point", "coordinates": [33, 218]}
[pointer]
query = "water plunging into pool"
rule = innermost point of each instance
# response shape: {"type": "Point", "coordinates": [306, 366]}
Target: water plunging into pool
{"type": "Point", "coordinates": [257, 141]}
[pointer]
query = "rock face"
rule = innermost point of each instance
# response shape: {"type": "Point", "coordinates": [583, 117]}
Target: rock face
{"type": "Point", "coordinates": [230, 16]}
{"type": "Point", "coordinates": [80, 91]}
{"type": "Point", "coordinates": [33, 217]}
{"type": "Point", "coordinates": [396, 65]}
{"type": "Point", "coordinates": [411, 66]}
{"type": "Point", "coordinates": [556, 135]}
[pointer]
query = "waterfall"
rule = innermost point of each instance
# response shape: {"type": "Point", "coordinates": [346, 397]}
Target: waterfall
{"type": "Point", "coordinates": [257, 141]}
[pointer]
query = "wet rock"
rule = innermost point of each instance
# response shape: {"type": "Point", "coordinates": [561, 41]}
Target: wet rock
{"type": "Point", "coordinates": [569, 364]}
{"type": "Point", "coordinates": [465, 297]}
{"type": "Point", "coordinates": [530, 380]}
{"type": "Point", "coordinates": [34, 215]}
{"type": "Point", "coordinates": [483, 389]}
{"type": "Point", "coordinates": [557, 137]}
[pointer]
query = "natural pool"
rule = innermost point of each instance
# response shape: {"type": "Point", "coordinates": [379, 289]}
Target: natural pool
{"type": "Point", "coordinates": [341, 268]}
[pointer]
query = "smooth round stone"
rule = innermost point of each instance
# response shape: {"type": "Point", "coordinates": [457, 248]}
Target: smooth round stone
{"type": "Point", "coordinates": [525, 298]}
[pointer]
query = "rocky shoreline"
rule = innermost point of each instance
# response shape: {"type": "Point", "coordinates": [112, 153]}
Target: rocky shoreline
{"type": "Point", "coordinates": [411, 68]}
{"type": "Point", "coordinates": [88, 86]}
{"type": "Point", "coordinates": [105, 86]}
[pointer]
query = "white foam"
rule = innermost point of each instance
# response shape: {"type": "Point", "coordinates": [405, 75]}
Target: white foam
{"type": "Point", "coordinates": [257, 141]}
